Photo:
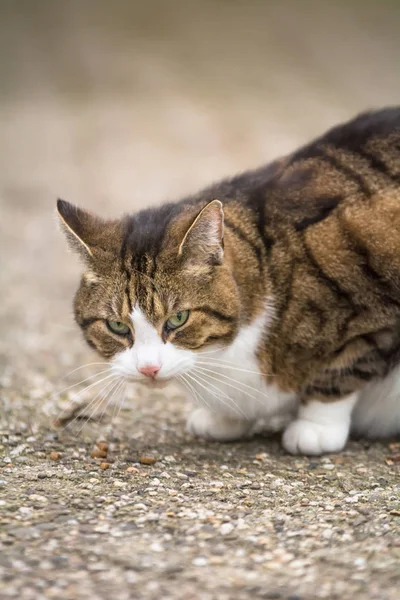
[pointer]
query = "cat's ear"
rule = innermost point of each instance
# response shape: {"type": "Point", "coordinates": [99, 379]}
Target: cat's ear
{"type": "Point", "coordinates": [80, 228]}
{"type": "Point", "coordinates": [204, 240]}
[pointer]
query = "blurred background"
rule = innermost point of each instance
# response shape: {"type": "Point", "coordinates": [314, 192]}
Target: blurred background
{"type": "Point", "coordinates": [119, 105]}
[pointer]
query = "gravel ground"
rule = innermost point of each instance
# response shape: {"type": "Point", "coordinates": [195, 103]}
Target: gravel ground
{"type": "Point", "coordinates": [118, 109]}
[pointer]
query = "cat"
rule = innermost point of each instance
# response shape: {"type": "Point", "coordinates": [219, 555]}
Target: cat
{"type": "Point", "coordinates": [273, 296]}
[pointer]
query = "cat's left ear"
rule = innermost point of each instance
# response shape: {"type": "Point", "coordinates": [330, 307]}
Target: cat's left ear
{"type": "Point", "coordinates": [80, 227]}
{"type": "Point", "coordinates": [204, 240]}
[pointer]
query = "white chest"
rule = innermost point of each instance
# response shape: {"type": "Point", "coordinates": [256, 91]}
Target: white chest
{"type": "Point", "coordinates": [229, 381]}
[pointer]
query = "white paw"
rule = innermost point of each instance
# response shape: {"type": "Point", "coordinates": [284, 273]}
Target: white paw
{"type": "Point", "coordinates": [213, 426]}
{"type": "Point", "coordinates": [307, 437]}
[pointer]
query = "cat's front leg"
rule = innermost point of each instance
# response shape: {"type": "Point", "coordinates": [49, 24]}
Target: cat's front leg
{"type": "Point", "coordinates": [216, 426]}
{"type": "Point", "coordinates": [320, 427]}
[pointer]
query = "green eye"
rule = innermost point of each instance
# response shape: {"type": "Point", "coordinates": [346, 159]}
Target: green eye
{"type": "Point", "coordinates": [177, 320]}
{"type": "Point", "coordinates": [117, 327]}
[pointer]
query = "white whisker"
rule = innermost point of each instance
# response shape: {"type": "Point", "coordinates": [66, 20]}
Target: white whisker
{"type": "Point", "coordinates": [197, 396]}
{"type": "Point", "coordinates": [105, 392]}
{"type": "Point", "coordinates": [83, 381]}
{"type": "Point", "coordinates": [82, 367]}
{"type": "Point", "coordinates": [236, 385]}
{"type": "Point", "coordinates": [235, 381]}
{"type": "Point", "coordinates": [176, 370]}
{"type": "Point", "coordinates": [220, 396]}
{"type": "Point", "coordinates": [210, 351]}
{"type": "Point", "coordinates": [100, 395]}
{"type": "Point", "coordinates": [121, 397]}
{"type": "Point", "coordinates": [115, 392]}
{"type": "Point", "coordinates": [77, 412]}
{"type": "Point", "coordinates": [230, 365]}
{"type": "Point", "coordinates": [191, 389]}
{"type": "Point", "coordinates": [76, 395]}
{"type": "Point", "coordinates": [88, 387]}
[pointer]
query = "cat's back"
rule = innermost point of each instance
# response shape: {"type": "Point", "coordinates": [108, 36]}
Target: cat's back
{"type": "Point", "coordinates": [365, 150]}
{"type": "Point", "coordinates": [350, 163]}
{"type": "Point", "coordinates": [353, 135]}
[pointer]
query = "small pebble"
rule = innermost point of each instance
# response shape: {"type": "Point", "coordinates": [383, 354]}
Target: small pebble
{"type": "Point", "coordinates": [104, 465]}
{"type": "Point", "coordinates": [226, 528]}
{"type": "Point", "coordinates": [395, 446]}
{"type": "Point", "coordinates": [360, 562]}
{"type": "Point", "coordinates": [55, 455]}
{"type": "Point", "coordinates": [147, 460]}
{"type": "Point", "coordinates": [327, 534]}
{"type": "Point", "coordinates": [25, 510]}
{"type": "Point", "coordinates": [98, 453]}
{"type": "Point", "coordinates": [261, 456]}
{"type": "Point", "coordinates": [102, 446]}
{"type": "Point", "coordinates": [200, 561]}
{"type": "Point", "coordinates": [38, 498]}
{"type": "Point", "coordinates": [119, 483]}
{"type": "Point", "coordinates": [132, 470]}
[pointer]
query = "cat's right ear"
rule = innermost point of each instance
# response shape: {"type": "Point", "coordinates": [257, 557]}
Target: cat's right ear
{"type": "Point", "coordinates": [79, 227]}
{"type": "Point", "coordinates": [203, 243]}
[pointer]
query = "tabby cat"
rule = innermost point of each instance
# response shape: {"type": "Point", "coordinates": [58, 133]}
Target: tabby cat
{"type": "Point", "coordinates": [273, 294]}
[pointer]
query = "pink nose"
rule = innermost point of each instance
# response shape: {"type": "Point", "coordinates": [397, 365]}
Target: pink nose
{"type": "Point", "coordinates": [149, 371]}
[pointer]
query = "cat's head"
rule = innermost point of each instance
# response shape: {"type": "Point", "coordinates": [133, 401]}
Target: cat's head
{"type": "Point", "coordinates": [156, 291]}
